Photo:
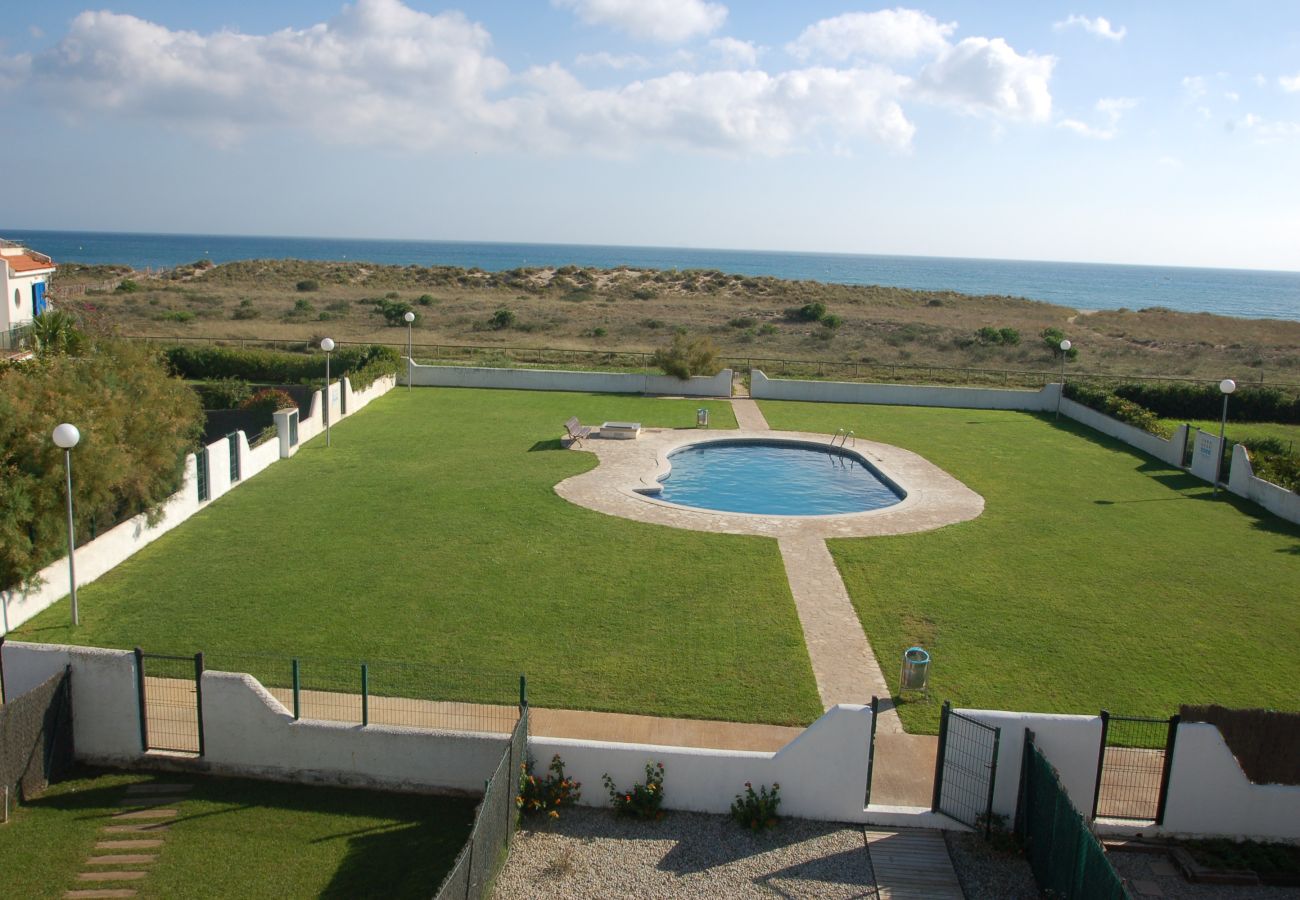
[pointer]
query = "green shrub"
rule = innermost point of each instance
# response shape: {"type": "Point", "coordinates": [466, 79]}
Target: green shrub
{"type": "Point", "coordinates": [362, 364]}
{"type": "Point", "coordinates": [1185, 400]}
{"type": "Point", "coordinates": [831, 321]}
{"type": "Point", "coordinates": [686, 357]}
{"type": "Point", "coordinates": [767, 328]}
{"type": "Point", "coordinates": [268, 401]}
{"type": "Point", "coordinates": [393, 311]}
{"type": "Point", "coordinates": [501, 319]}
{"type": "Point", "coordinates": [743, 322]}
{"type": "Point", "coordinates": [757, 810]}
{"type": "Point", "coordinates": [1007, 336]}
{"type": "Point", "coordinates": [245, 312]}
{"type": "Point", "coordinates": [809, 312]}
{"type": "Point", "coordinates": [1117, 407]}
{"type": "Point", "coordinates": [1275, 462]}
{"type": "Point", "coordinates": [426, 300]}
{"type": "Point", "coordinates": [641, 801]}
{"type": "Point", "coordinates": [224, 393]}
{"type": "Point", "coordinates": [127, 286]}
{"type": "Point", "coordinates": [303, 305]}
{"type": "Point", "coordinates": [645, 294]}
{"type": "Point", "coordinates": [176, 315]}
{"type": "Point", "coordinates": [550, 793]}
{"type": "Point", "coordinates": [1052, 338]}
{"type": "Point", "coordinates": [308, 284]}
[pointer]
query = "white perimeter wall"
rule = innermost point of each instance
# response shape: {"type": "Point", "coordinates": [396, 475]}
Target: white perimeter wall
{"type": "Point", "coordinates": [101, 555]}
{"type": "Point", "coordinates": [555, 380]}
{"type": "Point", "coordinates": [1206, 450]}
{"type": "Point", "coordinates": [1242, 481]}
{"type": "Point", "coordinates": [1170, 452]}
{"type": "Point", "coordinates": [763, 388]}
{"type": "Point", "coordinates": [248, 732]}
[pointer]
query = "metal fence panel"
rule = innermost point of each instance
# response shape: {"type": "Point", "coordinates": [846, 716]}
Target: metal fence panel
{"type": "Point", "coordinates": [1065, 856]}
{"type": "Point", "coordinates": [36, 736]}
{"type": "Point", "coordinates": [169, 702]}
{"type": "Point", "coordinates": [966, 769]}
{"type": "Point", "coordinates": [1131, 767]}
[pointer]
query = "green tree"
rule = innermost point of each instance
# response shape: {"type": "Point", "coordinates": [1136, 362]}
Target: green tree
{"type": "Point", "coordinates": [136, 422]}
{"type": "Point", "coordinates": [55, 332]}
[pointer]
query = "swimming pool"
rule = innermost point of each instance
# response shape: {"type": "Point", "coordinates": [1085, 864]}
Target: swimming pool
{"type": "Point", "coordinates": [784, 478]}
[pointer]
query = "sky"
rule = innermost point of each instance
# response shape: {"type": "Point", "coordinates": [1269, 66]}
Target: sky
{"type": "Point", "coordinates": [1151, 132]}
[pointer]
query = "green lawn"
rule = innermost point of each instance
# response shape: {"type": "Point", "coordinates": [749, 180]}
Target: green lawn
{"type": "Point", "coordinates": [238, 838]}
{"type": "Point", "coordinates": [430, 531]}
{"type": "Point", "coordinates": [1096, 577]}
{"type": "Point", "coordinates": [1245, 432]}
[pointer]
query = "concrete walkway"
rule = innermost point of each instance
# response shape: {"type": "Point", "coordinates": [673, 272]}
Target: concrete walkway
{"type": "Point", "coordinates": [121, 859]}
{"type": "Point", "coordinates": [748, 416]}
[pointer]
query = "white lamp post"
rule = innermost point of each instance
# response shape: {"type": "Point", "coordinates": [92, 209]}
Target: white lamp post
{"type": "Point", "coordinates": [410, 363]}
{"type": "Point", "coordinates": [1065, 348]}
{"type": "Point", "coordinates": [1227, 386]}
{"type": "Point", "coordinates": [66, 437]}
{"type": "Point", "coordinates": [327, 345]}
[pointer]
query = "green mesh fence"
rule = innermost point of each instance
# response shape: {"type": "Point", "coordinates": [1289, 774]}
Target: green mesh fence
{"type": "Point", "coordinates": [1067, 859]}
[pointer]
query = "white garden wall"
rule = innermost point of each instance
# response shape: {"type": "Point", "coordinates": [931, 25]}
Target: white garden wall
{"type": "Point", "coordinates": [1209, 794]}
{"type": "Point", "coordinates": [763, 388]}
{"type": "Point", "coordinates": [555, 380]}
{"type": "Point", "coordinates": [1242, 481]}
{"type": "Point", "coordinates": [96, 557]}
{"type": "Point", "coordinates": [1170, 452]}
{"type": "Point", "coordinates": [1206, 450]}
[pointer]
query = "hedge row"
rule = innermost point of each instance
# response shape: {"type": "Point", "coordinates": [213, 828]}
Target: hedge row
{"type": "Point", "coordinates": [1117, 407]}
{"type": "Point", "coordinates": [362, 364]}
{"type": "Point", "coordinates": [1177, 400]}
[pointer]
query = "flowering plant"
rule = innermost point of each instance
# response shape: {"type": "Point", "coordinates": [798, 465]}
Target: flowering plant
{"type": "Point", "coordinates": [642, 801]}
{"type": "Point", "coordinates": [756, 810]}
{"type": "Point", "coordinates": [547, 794]}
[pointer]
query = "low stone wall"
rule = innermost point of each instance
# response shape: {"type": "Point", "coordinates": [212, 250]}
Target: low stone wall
{"type": "Point", "coordinates": [556, 380]}
{"type": "Point", "coordinates": [763, 388]}
{"type": "Point", "coordinates": [1242, 481]}
{"type": "Point", "coordinates": [105, 552]}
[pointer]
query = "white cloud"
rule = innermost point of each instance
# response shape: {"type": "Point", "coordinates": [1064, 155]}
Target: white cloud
{"type": "Point", "coordinates": [1111, 109]}
{"type": "Point", "coordinates": [36, 31]}
{"type": "Point", "coordinates": [887, 34]}
{"type": "Point", "coordinates": [1268, 130]}
{"type": "Point", "coordinates": [668, 21]}
{"type": "Point", "coordinates": [983, 76]}
{"type": "Point", "coordinates": [1170, 162]}
{"type": "Point", "coordinates": [606, 60]}
{"type": "Point", "coordinates": [1289, 83]}
{"type": "Point", "coordinates": [1194, 87]}
{"type": "Point", "coordinates": [1231, 96]}
{"type": "Point", "coordinates": [733, 53]}
{"type": "Point", "coordinates": [1100, 27]}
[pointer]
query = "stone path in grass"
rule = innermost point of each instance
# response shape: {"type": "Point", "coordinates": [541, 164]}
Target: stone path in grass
{"type": "Point", "coordinates": [130, 843]}
{"type": "Point", "coordinates": [748, 416]}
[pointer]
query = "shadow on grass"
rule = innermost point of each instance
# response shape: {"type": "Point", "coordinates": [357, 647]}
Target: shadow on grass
{"type": "Point", "coordinates": [406, 854]}
{"type": "Point", "coordinates": [553, 444]}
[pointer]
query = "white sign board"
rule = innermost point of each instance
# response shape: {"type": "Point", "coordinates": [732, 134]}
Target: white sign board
{"type": "Point", "coordinates": [1205, 456]}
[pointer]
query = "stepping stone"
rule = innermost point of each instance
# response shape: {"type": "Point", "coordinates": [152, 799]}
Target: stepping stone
{"type": "Point", "coordinates": [131, 829]}
{"type": "Point", "coordinates": [149, 801]}
{"type": "Point", "coordinates": [100, 892]}
{"type": "Point", "coordinates": [111, 876]}
{"type": "Point", "coordinates": [154, 787]}
{"type": "Point", "coordinates": [128, 845]}
{"type": "Point", "coordinates": [114, 859]}
{"type": "Point", "coordinates": [146, 814]}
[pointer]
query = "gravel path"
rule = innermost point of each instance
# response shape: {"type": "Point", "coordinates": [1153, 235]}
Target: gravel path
{"type": "Point", "coordinates": [1150, 876]}
{"type": "Point", "coordinates": [986, 873]}
{"type": "Point", "coordinates": [591, 853]}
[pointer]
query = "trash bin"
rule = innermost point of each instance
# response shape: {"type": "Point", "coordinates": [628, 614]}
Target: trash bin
{"type": "Point", "coordinates": [701, 418]}
{"type": "Point", "coordinates": [916, 670]}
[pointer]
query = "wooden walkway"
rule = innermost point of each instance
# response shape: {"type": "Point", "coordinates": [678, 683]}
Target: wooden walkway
{"type": "Point", "coordinates": [912, 865]}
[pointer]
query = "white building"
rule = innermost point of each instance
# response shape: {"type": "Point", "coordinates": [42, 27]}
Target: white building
{"type": "Point", "coordinates": [24, 278]}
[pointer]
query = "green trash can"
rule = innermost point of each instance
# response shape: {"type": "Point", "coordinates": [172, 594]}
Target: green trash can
{"type": "Point", "coordinates": [916, 670]}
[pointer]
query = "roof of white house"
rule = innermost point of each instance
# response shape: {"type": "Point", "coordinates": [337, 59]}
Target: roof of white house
{"type": "Point", "coordinates": [22, 261]}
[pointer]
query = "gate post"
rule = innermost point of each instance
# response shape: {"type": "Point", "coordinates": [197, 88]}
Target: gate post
{"type": "Point", "coordinates": [295, 689]}
{"type": "Point", "coordinates": [139, 688]}
{"type": "Point", "coordinates": [938, 761]}
{"type": "Point", "coordinates": [1168, 768]}
{"type": "Point", "coordinates": [871, 749]}
{"type": "Point", "coordinates": [198, 694]}
{"type": "Point", "coordinates": [365, 694]}
{"type": "Point", "coordinates": [1101, 763]}
{"type": "Point", "coordinates": [1026, 749]}
{"type": "Point", "coordinates": [993, 778]}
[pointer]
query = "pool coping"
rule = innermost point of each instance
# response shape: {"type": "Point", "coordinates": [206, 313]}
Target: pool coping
{"type": "Point", "coordinates": [626, 468]}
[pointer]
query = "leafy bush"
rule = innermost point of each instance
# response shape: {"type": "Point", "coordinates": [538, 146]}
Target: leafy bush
{"type": "Point", "coordinates": [127, 286]}
{"type": "Point", "coordinates": [756, 811]}
{"type": "Point", "coordinates": [767, 328]}
{"type": "Point", "coordinates": [1052, 338]}
{"type": "Point", "coordinates": [393, 311]}
{"type": "Point", "coordinates": [831, 321]}
{"type": "Point", "coordinates": [425, 300]}
{"type": "Point", "coordinates": [55, 332]}
{"type": "Point", "coordinates": [245, 312]}
{"type": "Point", "coordinates": [809, 312]}
{"type": "Point", "coordinates": [1008, 336]}
{"type": "Point", "coordinates": [1275, 462]}
{"type": "Point", "coordinates": [501, 319]}
{"type": "Point", "coordinates": [308, 284]}
{"type": "Point", "coordinates": [1184, 400]}
{"type": "Point", "coordinates": [224, 393]}
{"type": "Point", "coordinates": [361, 364]}
{"type": "Point", "coordinates": [743, 322]}
{"type": "Point", "coordinates": [176, 315]}
{"type": "Point", "coordinates": [550, 793]}
{"type": "Point", "coordinates": [641, 801]}
{"type": "Point", "coordinates": [267, 401]}
{"type": "Point", "coordinates": [1117, 407]}
{"type": "Point", "coordinates": [303, 305]}
{"type": "Point", "coordinates": [686, 357]}
{"type": "Point", "coordinates": [136, 424]}
{"type": "Point", "coordinates": [645, 294]}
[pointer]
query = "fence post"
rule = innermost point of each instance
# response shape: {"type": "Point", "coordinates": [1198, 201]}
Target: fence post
{"type": "Point", "coordinates": [365, 694]}
{"type": "Point", "coordinates": [2, 664]}
{"type": "Point", "coordinates": [871, 749]}
{"type": "Point", "coordinates": [993, 777]}
{"type": "Point", "coordinates": [1168, 768]}
{"type": "Point", "coordinates": [1022, 799]}
{"type": "Point", "coordinates": [295, 689]}
{"type": "Point", "coordinates": [1101, 762]}
{"type": "Point", "coordinates": [523, 692]}
{"type": "Point", "coordinates": [139, 688]}
{"type": "Point", "coordinates": [198, 694]}
{"type": "Point", "coordinates": [938, 762]}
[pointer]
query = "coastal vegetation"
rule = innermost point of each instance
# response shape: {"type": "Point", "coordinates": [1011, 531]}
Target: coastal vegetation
{"type": "Point", "coordinates": [750, 319]}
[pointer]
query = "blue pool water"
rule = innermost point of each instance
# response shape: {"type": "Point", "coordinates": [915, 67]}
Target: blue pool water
{"type": "Point", "coordinates": [773, 479]}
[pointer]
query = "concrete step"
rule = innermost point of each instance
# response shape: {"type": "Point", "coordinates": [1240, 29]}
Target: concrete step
{"type": "Point", "coordinates": [146, 814]}
{"type": "Point", "coordinates": [128, 845]}
{"type": "Point", "coordinates": [155, 787]}
{"type": "Point", "coordinates": [115, 859]}
{"type": "Point", "coordinates": [100, 892]}
{"type": "Point", "coordinates": [158, 800]}
{"type": "Point", "coordinates": [153, 827]}
{"type": "Point", "coordinates": [111, 876]}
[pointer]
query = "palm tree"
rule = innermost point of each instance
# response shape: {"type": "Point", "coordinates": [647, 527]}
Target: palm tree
{"type": "Point", "coordinates": [55, 332]}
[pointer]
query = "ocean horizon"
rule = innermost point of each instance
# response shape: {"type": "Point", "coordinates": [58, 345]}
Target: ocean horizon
{"type": "Point", "coordinates": [1249, 293]}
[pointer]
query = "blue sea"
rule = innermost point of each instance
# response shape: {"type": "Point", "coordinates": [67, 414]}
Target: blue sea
{"type": "Point", "coordinates": [1228, 292]}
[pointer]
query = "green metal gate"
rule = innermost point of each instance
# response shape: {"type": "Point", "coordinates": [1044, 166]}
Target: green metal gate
{"type": "Point", "coordinates": [966, 769]}
{"type": "Point", "coordinates": [170, 690]}
{"type": "Point", "coordinates": [1133, 766]}
{"type": "Point", "coordinates": [871, 749]}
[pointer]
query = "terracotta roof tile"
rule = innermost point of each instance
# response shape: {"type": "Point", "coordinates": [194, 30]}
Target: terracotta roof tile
{"type": "Point", "coordinates": [27, 263]}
